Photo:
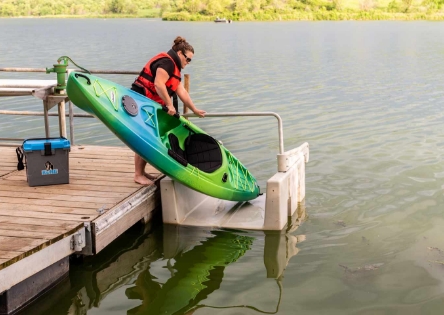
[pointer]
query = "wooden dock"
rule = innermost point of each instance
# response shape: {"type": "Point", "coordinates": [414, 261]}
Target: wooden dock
{"type": "Point", "coordinates": [99, 204]}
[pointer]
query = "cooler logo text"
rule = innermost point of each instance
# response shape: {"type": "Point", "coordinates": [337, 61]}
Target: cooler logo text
{"type": "Point", "coordinates": [49, 169]}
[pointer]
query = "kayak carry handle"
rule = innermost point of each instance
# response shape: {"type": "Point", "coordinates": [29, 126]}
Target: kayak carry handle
{"type": "Point", "coordinates": [88, 81]}
{"type": "Point", "coordinates": [165, 109]}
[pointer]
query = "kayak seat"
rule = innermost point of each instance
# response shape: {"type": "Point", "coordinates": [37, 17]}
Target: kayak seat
{"type": "Point", "coordinates": [201, 151]}
{"type": "Point", "coordinates": [176, 151]}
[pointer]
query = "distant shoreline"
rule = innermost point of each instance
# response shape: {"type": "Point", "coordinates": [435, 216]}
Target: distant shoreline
{"type": "Point", "coordinates": [321, 15]}
{"type": "Point", "coordinates": [374, 15]}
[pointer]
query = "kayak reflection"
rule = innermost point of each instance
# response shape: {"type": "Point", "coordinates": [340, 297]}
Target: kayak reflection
{"type": "Point", "coordinates": [196, 273]}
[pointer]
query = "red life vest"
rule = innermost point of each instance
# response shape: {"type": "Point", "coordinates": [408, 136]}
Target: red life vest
{"type": "Point", "coordinates": [145, 80]}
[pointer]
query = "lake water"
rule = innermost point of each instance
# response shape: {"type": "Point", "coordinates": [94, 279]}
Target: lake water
{"type": "Point", "coordinates": [368, 98]}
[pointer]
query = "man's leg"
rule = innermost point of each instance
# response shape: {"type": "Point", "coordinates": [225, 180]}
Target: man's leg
{"type": "Point", "coordinates": [139, 174]}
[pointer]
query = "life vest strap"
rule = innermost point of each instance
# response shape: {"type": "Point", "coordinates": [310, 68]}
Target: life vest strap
{"type": "Point", "coordinates": [175, 102]}
{"type": "Point", "coordinates": [177, 77]}
{"type": "Point", "coordinates": [145, 89]}
{"type": "Point", "coordinates": [147, 76]}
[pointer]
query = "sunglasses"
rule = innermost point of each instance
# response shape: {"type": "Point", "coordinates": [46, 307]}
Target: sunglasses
{"type": "Point", "coordinates": [187, 59]}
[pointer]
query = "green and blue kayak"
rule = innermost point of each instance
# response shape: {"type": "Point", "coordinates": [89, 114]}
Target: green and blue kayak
{"type": "Point", "coordinates": [171, 144]}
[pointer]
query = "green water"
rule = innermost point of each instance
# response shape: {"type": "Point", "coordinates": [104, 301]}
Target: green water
{"type": "Point", "coordinates": [367, 96]}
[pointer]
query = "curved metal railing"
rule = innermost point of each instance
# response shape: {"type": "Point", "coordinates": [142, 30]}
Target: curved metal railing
{"type": "Point", "coordinates": [239, 114]}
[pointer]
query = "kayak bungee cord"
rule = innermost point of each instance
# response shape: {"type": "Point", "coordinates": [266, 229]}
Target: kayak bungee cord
{"type": "Point", "coordinates": [113, 102]}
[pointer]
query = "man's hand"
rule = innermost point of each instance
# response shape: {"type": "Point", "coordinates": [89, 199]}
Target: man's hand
{"type": "Point", "coordinates": [199, 112]}
{"type": "Point", "coordinates": [171, 110]}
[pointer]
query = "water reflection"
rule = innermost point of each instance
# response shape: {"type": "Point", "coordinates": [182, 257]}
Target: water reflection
{"type": "Point", "coordinates": [195, 273]}
{"type": "Point", "coordinates": [173, 270]}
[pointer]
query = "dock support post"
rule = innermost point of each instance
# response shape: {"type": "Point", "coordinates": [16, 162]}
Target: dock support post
{"type": "Point", "coordinates": [62, 119]}
{"type": "Point", "coordinates": [187, 88]}
{"type": "Point", "coordinates": [71, 123]}
{"type": "Point", "coordinates": [46, 117]}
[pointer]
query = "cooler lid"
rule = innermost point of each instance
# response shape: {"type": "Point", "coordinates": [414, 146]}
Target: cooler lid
{"type": "Point", "coordinates": [39, 144]}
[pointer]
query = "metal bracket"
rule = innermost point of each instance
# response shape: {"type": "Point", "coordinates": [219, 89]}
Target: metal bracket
{"type": "Point", "coordinates": [77, 243]}
{"type": "Point", "coordinates": [101, 210]}
{"type": "Point", "coordinates": [47, 94]}
{"type": "Point", "coordinates": [88, 248]}
{"type": "Point", "coordinates": [43, 92]}
{"type": "Point", "coordinates": [53, 100]}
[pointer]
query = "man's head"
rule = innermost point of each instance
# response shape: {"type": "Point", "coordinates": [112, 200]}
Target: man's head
{"type": "Point", "coordinates": [184, 50]}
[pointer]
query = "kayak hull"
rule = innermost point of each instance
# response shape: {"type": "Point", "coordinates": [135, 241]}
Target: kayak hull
{"type": "Point", "coordinates": [173, 145]}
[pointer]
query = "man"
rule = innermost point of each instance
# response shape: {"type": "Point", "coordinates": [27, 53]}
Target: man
{"type": "Point", "coordinates": [160, 80]}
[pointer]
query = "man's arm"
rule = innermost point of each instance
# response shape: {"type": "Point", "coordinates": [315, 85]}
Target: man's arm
{"type": "Point", "coordinates": [159, 82]}
{"type": "Point", "coordinates": [186, 99]}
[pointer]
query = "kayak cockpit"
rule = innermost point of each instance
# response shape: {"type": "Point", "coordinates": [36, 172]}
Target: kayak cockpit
{"type": "Point", "coordinates": [200, 150]}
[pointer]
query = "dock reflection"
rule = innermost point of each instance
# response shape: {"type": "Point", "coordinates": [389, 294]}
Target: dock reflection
{"type": "Point", "coordinates": [195, 260]}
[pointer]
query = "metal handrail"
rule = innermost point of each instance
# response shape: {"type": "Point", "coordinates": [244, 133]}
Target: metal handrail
{"type": "Point", "coordinates": [231, 114]}
{"type": "Point", "coordinates": [26, 113]}
{"type": "Point", "coordinates": [97, 71]}
{"type": "Point", "coordinates": [71, 116]}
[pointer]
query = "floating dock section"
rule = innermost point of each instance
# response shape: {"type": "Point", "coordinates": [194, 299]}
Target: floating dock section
{"type": "Point", "coordinates": [40, 227]}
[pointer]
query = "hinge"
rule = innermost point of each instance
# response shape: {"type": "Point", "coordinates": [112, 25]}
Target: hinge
{"type": "Point", "coordinates": [101, 210]}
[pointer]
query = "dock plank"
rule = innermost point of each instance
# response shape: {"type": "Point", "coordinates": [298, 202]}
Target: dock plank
{"type": "Point", "coordinates": [45, 235]}
{"type": "Point", "coordinates": [37, 228]}
{"type": "Point", "coordinates": [80, 181]}
{"type": "Point", "coordinates": [86, 189]}
{"type": "Point", "coordinates": [55, 190]}
{"type": "Point", "coordinates": [105, 165]}
{"type": "Point", "coordinates": [5, 171]}
{"type": "Point", "coordinates": [49, 209]}
{"type": "Point", "coordinates": [8, 254]}
{"type": "Point", "coordinates": [47, 215]}
{"type": "Point", "coordinates": [19, 244]}
{"type": "Point", "coordinates": [99, 151]}
{"type": "Point", "coordinates": [48, 223]}
{"type": "Point", "coordinates": [60, 197]}
{"type": "Point", "coordinates": [6, 163]}
{"type": "Point", "coordinates": [28, 246]}
{"type": "Point", "coordinates": [59, 203]}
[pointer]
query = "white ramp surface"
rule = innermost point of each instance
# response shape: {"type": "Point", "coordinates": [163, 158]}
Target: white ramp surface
{"type": "Point", "coordinates": [184, 206]}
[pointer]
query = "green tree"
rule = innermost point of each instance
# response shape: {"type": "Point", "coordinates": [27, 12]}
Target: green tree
{"type": "Point", "coordinates": [192, 6]}
{"type": "Point", "coordinates": [7, 9]}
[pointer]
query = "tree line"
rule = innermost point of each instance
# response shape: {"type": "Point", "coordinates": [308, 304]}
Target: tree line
{"type": "Point", "coordinates": [230, 9]}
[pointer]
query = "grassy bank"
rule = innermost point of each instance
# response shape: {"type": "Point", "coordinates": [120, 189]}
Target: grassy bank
{"type": "Point", "coordinates": [308, 16]}
{"type": "Point", "coordinates": [295, 16]}
{"type": "Point", "coordinates": [236, 10]}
